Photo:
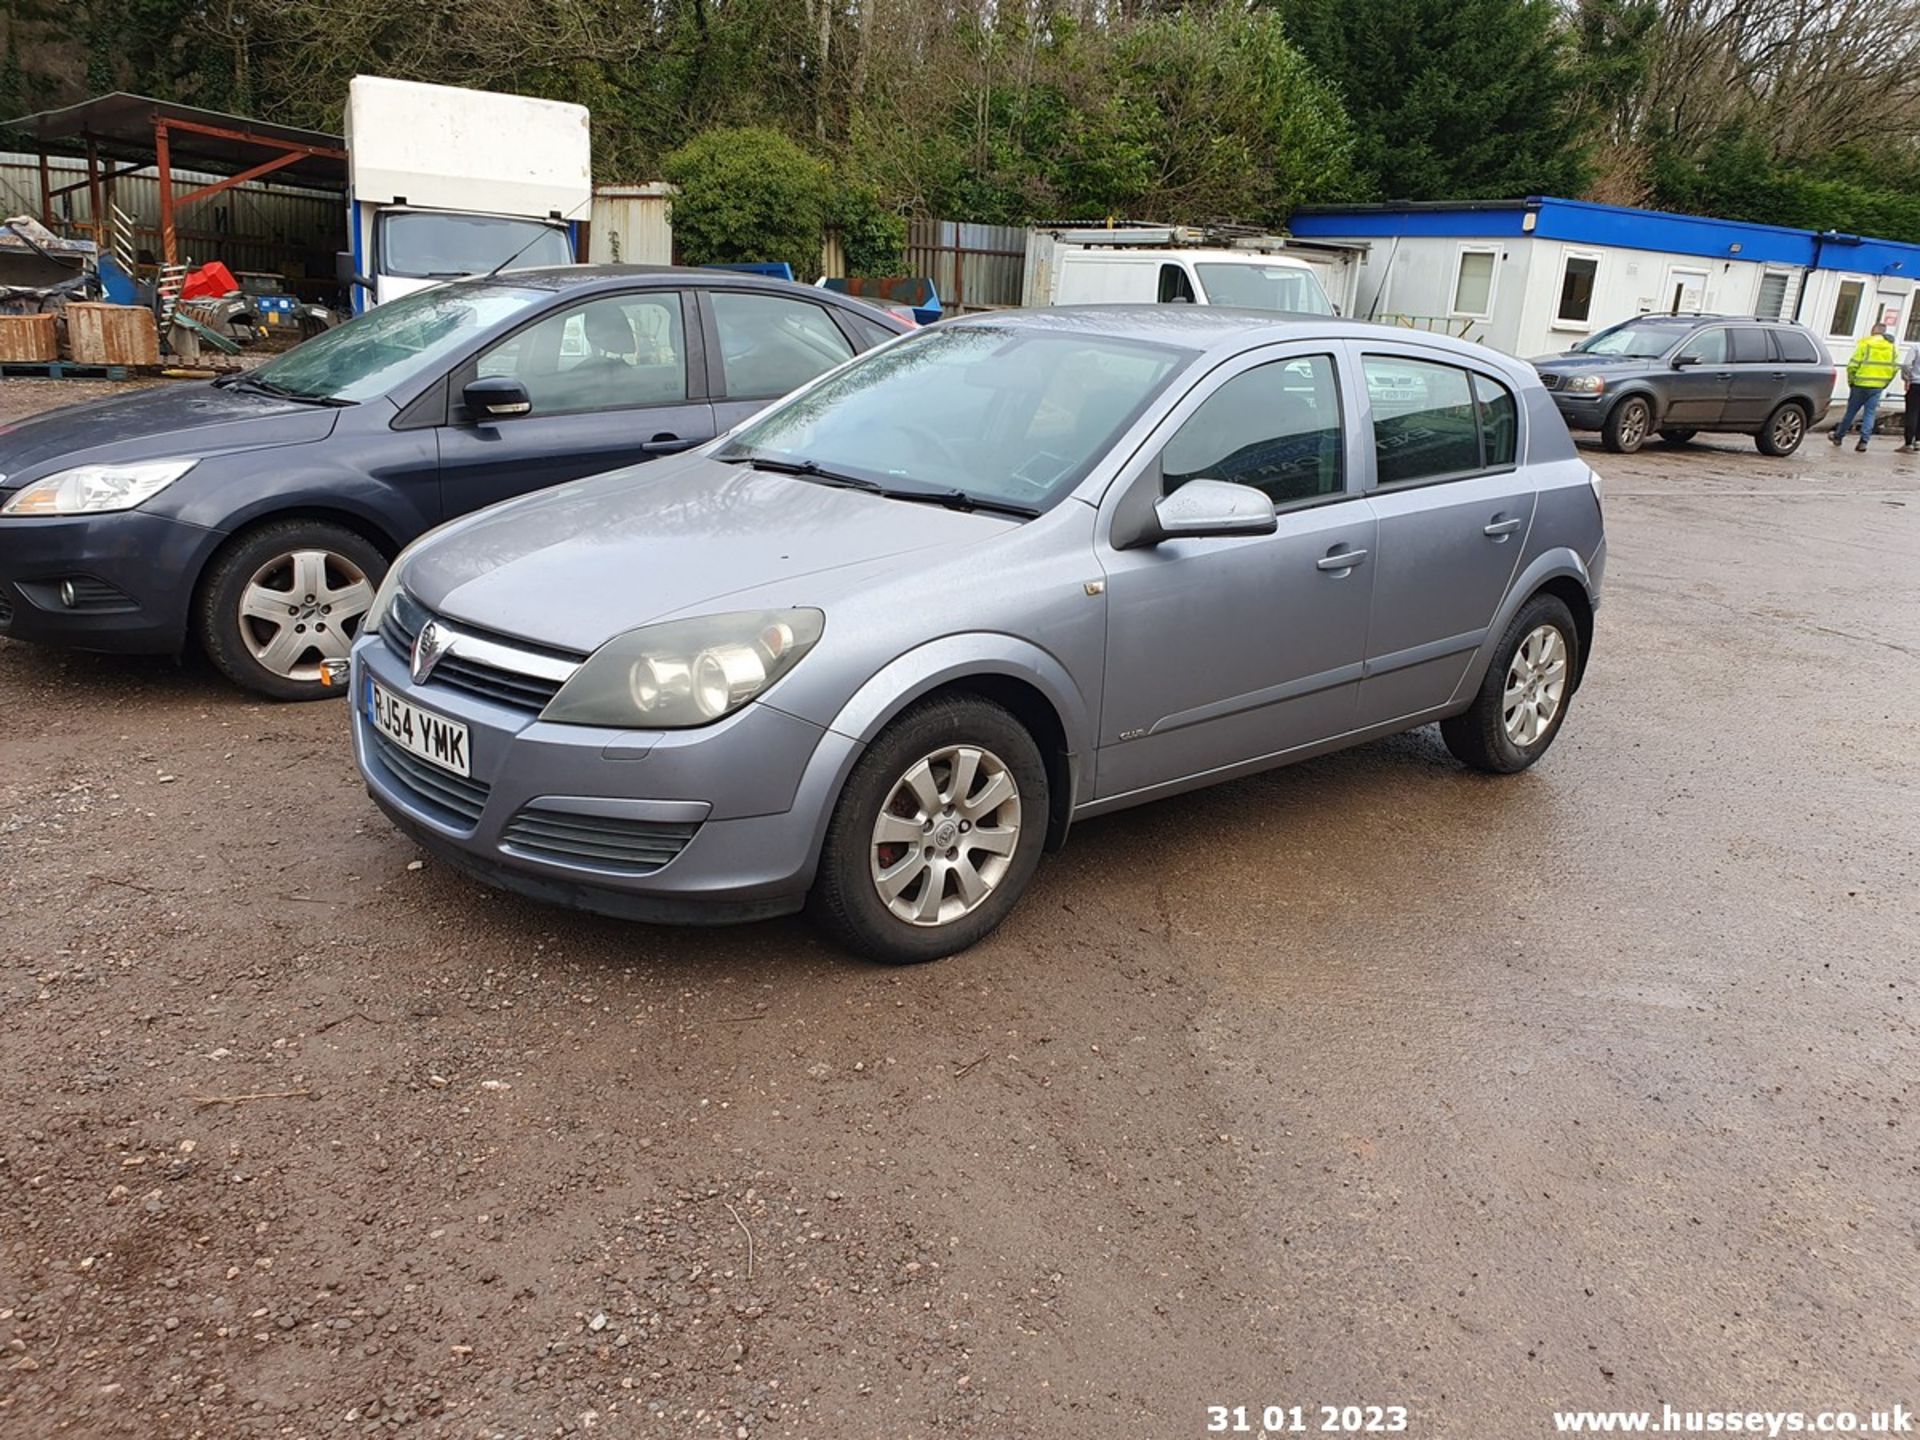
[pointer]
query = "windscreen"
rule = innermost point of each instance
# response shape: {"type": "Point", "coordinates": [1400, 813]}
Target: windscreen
{"type": "Point", "coordinates": [431, 245]}
{"type": "Point", "coordinates": [1637, 339]}
{"type": "Point", "coordinates": [994, 412]}
{"type": "Point", "coordinates": [1264, 287]}
{"type": "Point", "coordinates": [394, 342]}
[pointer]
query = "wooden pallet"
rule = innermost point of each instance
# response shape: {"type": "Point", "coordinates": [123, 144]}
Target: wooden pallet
{"type": "Point", "coordinates": [65, 370]}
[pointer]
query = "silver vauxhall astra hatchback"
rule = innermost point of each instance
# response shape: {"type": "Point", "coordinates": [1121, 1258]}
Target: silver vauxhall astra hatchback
{"type": "Point", "coordinates": [875, 650]}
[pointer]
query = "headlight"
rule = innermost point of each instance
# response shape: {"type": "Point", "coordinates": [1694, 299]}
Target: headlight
{"type": "Point", "coordinates": [1586, 385]}
{"type": "Point", "coordinates": [685, 672]}
{"type": "Point", "coordinates": [96, 489]}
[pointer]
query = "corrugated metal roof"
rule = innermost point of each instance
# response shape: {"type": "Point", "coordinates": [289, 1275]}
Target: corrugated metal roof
{"type": "Point", "coordinates": [120, 126]}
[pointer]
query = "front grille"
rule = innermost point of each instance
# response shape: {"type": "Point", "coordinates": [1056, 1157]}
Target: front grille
{"type": "Point", "coordinates": [1551, 381]}
{"type": "Point", "coordinates": [634, 847]}
{"type": "Point", "coordinates": [461, 672]}
{"type": "Point", "coordinates": [443, 794]}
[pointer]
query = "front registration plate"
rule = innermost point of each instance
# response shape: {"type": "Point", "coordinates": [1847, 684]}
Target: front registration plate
{"type": "Point", "coordinates": [418, 732]}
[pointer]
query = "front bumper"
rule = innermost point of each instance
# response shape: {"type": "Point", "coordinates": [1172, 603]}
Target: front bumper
{"type": "Point", "coordinates": [1581, 412]}
{"type": "Point", "coordinates": [132, 575]}
{"type": "Point", "coordinates": [738, 809]}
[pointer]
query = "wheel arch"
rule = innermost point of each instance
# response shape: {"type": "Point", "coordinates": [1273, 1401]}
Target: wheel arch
{"type": "Point", "coordinates": [1012, 673]}
{"type": "Point", "coordinates": [1559, 572]}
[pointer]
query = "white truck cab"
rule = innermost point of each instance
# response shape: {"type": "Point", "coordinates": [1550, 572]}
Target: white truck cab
{"type": "Point", "coordinates": [1138, 266]}
{"type": "Point", "coordinates": [444, 183]}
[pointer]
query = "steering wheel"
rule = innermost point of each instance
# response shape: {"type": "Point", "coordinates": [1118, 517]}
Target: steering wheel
{"type": "Point", "coordinates": [925, 437]}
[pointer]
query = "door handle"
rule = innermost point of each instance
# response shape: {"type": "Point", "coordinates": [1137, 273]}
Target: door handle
{"type": "Point", "coordinates": [1340, 560]}
{"type": "Point", "coordinates": [1500, 529]}
{"type": "Point", "coordinates": [666, 445]}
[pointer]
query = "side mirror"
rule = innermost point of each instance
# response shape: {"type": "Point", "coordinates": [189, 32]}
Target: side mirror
{"type": "Point", "coordinates": [496, 397]}
{"type": "Point", "coordinates": [348, 277]}
{"type": "Point", "coordinates": [1681, 362]}
{"type": "Point", "coordinates": [1199, 509]}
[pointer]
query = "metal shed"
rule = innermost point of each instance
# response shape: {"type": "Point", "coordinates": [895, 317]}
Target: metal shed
{"type": "Point", "coordinates": [122, 134]}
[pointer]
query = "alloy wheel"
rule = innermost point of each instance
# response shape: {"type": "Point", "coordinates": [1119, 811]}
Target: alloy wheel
{"type": "Point", "coordinates": [1633, 425]}
{"type": "Point", "coordinates": [946, 835]}
{"type": "Point", "coordinates": [302, 608]}
{"type": "Point", "coordinates": [1536, 685]}
{"type": "Point", "coordinates": [1787, 428]}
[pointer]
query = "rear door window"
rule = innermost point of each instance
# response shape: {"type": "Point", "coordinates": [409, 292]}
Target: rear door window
{"type": "Point", "coordinates": [1424, 425]}
{"type": "Point", "coordinates": [1797, 347]}
{"type": "Point", "coordinates": [1750, 346]}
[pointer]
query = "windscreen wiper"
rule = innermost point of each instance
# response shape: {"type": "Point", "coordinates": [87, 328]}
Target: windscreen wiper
{"type": "Point", "coordinates": [963, 500]}
{"type": "Point", "coordinates": [806, 470]}
{"type": "Point", "coordinates": [279, 392]}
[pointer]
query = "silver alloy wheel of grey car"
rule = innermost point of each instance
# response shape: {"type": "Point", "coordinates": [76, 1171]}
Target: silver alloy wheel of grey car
{"type": "Point", "coordinates": [1536, 684]}
{"type": "Point", "coordinates": [946, 835]}
{"type": "Point", "coordinates": [1789, 424]}
{"type": "Point", "coordinates": [301, 608]}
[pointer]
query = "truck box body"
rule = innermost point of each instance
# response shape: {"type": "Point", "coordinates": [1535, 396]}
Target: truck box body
{"type": "Point", "coordinates": [445, 181]}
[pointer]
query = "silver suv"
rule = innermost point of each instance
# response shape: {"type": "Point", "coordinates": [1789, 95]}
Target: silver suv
{"type": "Point", "coordinates": [875, 650]}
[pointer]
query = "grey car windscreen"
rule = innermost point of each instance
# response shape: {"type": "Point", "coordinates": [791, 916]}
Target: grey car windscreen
{"type": "Point", "coordinates": [996, 413]}
{"type": "Point", "coordinates": [1634, 339]}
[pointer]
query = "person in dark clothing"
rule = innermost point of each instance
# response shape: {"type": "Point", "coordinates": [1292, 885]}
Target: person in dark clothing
{"type": "Point", "coordinates": [1910, 376]}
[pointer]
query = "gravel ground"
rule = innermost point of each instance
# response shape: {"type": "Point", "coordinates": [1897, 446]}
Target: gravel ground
{"type": "Point", "coordinates": [1370, 1081]}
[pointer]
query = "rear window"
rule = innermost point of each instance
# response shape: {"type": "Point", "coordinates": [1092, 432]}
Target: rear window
{"type": "Point", "coordinates": [1750, 346]}
{"type": "Point", "coordinates": [1797, 347]}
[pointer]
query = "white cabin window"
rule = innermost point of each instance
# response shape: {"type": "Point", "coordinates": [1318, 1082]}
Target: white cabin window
{"type": "Point", "coordinates": [1577, 279]}
{"type": "Point", "coordinates": [1846, 309]}
{"type": "Point", "coordinates": [1772, 303]}
{"type": "Point", "coordinates": [1473, 286]}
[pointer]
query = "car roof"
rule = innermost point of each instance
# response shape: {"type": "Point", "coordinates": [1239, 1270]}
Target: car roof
{"type": "Point", "coordinates": [1223, 328]}
{"type": "Point", "coordinates": [589, 279]}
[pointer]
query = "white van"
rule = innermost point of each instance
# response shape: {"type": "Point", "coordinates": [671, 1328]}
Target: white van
{"type": "Point", "coordinates": [1063, 269]}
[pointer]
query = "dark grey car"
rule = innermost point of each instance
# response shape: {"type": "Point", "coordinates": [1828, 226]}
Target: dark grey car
{"type": "Point", "coordinates": [1677, 375]}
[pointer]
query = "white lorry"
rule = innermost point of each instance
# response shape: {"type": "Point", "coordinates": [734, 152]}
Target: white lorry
{"type": "Point", "coordinates": [445, 182]}
{"type": "Point", "coordinates": [1170, 264]}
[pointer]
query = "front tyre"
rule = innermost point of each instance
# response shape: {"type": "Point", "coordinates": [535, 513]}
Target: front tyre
{"type": "Point", "coordinates": [1627, 425]}
{"type": "Point", "coordinates": [1786, 427]}
{"type": "Point", "coordinates": [283, 598]}
{"type": "Point", "coordinates": [937, 833]}
{"type": "Point", "coordinates": [1524, 696]}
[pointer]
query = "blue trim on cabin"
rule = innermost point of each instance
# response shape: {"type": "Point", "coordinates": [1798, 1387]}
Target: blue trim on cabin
{"type": "Point", "coordinates": [1581, 222]}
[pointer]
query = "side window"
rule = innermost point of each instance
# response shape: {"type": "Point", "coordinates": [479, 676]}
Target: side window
{"type": "Point", "coordinates": [1709, 347]}
{"type": "Point", "coordinates": [1424, 420]}
{"type": "Point", "coordinates": [1473, 284]}
{"type": "Point", "coordinates": [1750, 346]}
{"type": "Point", "coordinates": [770, 344]}
{"type": "Point", "coordinates": [609, 354]}
{"type": "Point", "coordinates": [1174, 285]}
{"type": "Point", "coordinates": [1576, 289]}
{"type": "Point", "coordinates": [1846, 307]}
{"type": "Point", "coordinates": [1275, 427]}
{"type": "Point", "coordinates": [1797, 347]}
{"type": "Point", "coordinates": [1499, 422]}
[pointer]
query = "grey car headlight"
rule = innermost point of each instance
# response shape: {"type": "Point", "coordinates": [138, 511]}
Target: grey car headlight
{"type": "Point", "coordinates": [96, 489]}
{"type": "Point", "coordinates": [1586, 385]}
{"type": "Point", "coordinates": [686, 672]}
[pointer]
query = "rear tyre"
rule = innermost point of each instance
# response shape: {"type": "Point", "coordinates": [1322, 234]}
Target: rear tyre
{"type": "Point", "coordinates": [282, 598]}
{"type": "Point", "coordinates": [936, 835]}
{"type": "Point", "coordinates": [1627, 425]}
{"type": "Point", "coordinates": [1786, 427]}
{"type": "Point", "coordinates": [1678, 437]}
{"type": "Point", "coordinates": [1523, 698]}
